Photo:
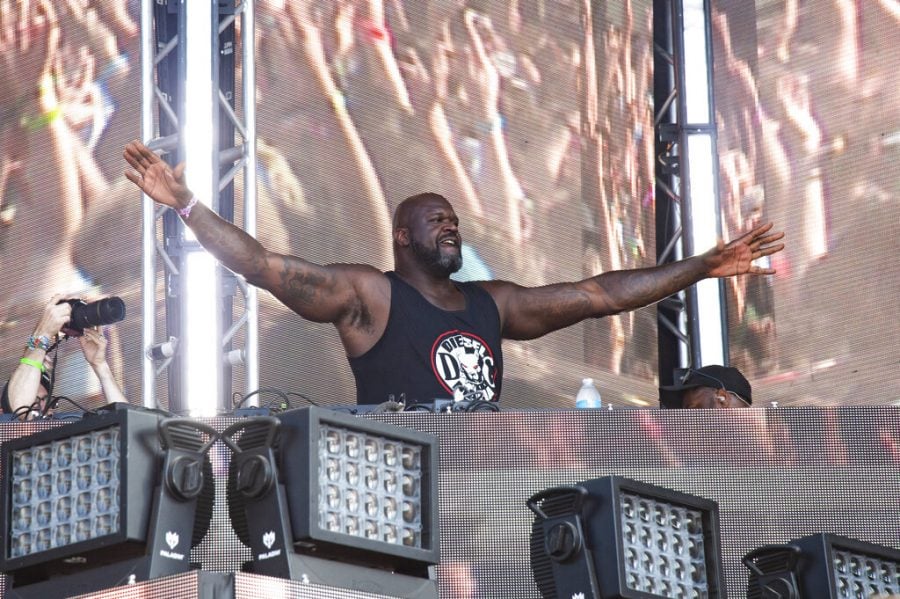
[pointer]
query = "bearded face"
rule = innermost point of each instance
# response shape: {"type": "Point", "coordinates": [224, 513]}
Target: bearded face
{"type": "Point", "coordinates": [433, 234]}
{"type": "Point", "coordinates": [436, 259]}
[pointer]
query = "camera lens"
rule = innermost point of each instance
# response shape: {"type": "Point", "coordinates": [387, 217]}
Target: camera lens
{"type": "Point", "coordinates": [102, 312]}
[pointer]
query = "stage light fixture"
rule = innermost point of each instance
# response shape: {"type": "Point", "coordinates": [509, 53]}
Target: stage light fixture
{"type": "Point", "coordinates": [772, 572]}
{"type": "Point", "coordinates": [164, 351]}
{"type": "Point", "coordinates": [122, 493]}
{"type": "Point", "coordinates": [336, 499]}
{"type": "Point", "coordinates": [614, 537]}
{"type": "Point", "coordinates": [823, 566]}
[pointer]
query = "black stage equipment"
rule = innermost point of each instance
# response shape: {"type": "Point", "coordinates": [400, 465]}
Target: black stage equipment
{"type": "Point", "coordinates": [612, 537]}
{"type": "Point", "coordinates": [119, 496]}
{"type": "Point", "coordinates": [335, 499]}
{"type": "Point", "coordinates": [823, 566]}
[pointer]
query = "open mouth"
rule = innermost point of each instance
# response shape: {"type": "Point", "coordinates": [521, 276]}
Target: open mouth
{"type": "Point", "coordinates": [450, 242]}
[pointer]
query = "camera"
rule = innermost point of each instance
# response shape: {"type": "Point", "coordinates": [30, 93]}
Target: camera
{"type": "Point", "coordinates": [102, 312]}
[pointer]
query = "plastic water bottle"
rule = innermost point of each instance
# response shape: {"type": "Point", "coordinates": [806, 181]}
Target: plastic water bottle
{"type": "Point", "coordinates": [588, 396]}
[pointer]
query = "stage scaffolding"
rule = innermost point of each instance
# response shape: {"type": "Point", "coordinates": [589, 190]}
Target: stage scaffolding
{"type": "Point", "coordinates": [165, 97]}
{"type": "Point", "coordinates": [687, 182]}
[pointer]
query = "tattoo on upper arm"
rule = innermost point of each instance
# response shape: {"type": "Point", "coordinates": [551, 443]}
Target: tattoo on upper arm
{"type": "Point", "coordinates": [301, 286]}
{"type": "Point", "coordinates": [234, 248]}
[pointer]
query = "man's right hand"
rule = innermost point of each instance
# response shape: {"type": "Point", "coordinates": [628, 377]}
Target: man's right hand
{"type": "Point", "coordinates": [55, 315]}
{"type": "Point", "coordinates": [156, 178]}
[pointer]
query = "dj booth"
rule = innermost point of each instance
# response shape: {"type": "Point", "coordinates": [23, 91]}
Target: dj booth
{"type": "Point", "coordinates": [776, 474]}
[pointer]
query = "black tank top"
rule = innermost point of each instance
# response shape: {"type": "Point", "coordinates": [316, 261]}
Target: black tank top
{"type": "Point", "coordinates": [427, 353]}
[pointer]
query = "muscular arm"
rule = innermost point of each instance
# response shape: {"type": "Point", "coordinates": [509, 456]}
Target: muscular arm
{"type": "Point", "coordinates": [530, 312]}
{"type": "Point", "coordinates": [527, 313]}
{"type": "Point", "coordinates": [318, 293]}
{"type": "Point", "coordinates": [355, 298]}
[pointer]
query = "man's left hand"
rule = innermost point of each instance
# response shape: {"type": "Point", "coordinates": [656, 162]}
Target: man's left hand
{"type": "Point", "coordinates": [737, 257]}
{"type": "Point", "coordinates": [93, 345]}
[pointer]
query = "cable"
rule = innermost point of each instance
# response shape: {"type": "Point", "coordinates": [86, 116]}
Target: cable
{"type": "Point", "coordinates": [279, 392]}
{"type": "Point", "coordinates": [22, 411]}
{"type": "Point", "coordinates": [302, 396]}
{"type": "Point", "coordinates": [54, 403]}
{"type": "Point", "coordinates": [275, 406]}
{"type": "Point", "coordinates": [480, 406]}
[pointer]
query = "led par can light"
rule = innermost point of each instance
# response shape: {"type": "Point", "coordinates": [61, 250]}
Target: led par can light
{"type": "Point", "coordinates": [356, 491]}
{"type": "Point", "coordinates": [640, 541]}
{"type": "Point", "coordinates": [81, 496]}
{"type": "Point", "coordinates": [836, 567]}
{"type": "Point", "coordinates": [66, 491]}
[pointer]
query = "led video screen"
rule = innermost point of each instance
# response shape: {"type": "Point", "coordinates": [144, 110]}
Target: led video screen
{"type": "Point", "coordinates": [808, 133]}
{"type": "Point", "coordinates": [501, 138]}
{"type": "Point", "coordinates": [499, 132]}
{"type": "Point", "coordinates": [776, 475]}
{"type": "Point", "coordinates": [545, 150]}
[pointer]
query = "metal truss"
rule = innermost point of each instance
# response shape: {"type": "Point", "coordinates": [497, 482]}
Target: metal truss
{"type": "Point", "coordinates": [678, 315]}
{"type": "Point", "coordinates": [164, 92]}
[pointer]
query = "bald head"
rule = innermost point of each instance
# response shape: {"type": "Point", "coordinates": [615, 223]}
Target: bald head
{"type": "Point", "coordinates": [408, 207]}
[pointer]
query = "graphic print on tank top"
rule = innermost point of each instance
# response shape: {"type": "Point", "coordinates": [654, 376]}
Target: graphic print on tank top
{"type": "Point", "coordinates": [464, 365]}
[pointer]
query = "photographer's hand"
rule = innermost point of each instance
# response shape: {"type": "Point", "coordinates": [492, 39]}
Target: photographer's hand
{"type": "Point", "coordinates": [55, 315]}
{"type": "Point", "coordinates": [25, 381]}
{"type": "Point", "coordinates": [93, 345]}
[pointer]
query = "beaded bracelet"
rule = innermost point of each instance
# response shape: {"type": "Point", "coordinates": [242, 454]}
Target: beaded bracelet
{"type": "Point", "coordinates": [40, 342]}
{"type": "Point", "coordinates": [186, 211]}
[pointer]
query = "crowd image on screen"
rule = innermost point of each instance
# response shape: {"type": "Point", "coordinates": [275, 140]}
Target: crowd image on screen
{"type": "Point", "coordinates": [363, 102]}
{"type": "Point", "coordinates": [481, 101]}
{"type": "Point", "coordinates": [70, 75]}
{"type": "Point", "coordinates": [807, 136]}
{"type": "Point", "coordinates": [537, 123]}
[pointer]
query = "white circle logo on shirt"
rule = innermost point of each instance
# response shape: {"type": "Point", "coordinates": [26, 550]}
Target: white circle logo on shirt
{"type": "Point", "coordinates": [464, 365]}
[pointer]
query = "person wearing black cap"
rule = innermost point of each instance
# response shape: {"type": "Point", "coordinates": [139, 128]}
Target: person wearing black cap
{"type": "Point", "coordinates": [708, 387]}
{"type": "Point", "coordinates": [31, 383]}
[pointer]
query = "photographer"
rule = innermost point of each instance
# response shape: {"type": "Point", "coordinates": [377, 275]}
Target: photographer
{"type": "Point", "coordinates": [31, 382]}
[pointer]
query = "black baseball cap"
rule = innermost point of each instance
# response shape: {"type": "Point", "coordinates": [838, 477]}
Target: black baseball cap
{"type": "Point", "coordinates": [46, 383]}
{"type": "Point", "coordinates": [717, 377]}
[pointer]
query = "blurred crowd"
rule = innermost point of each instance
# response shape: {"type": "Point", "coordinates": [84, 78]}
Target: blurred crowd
{"type": "Point", "coordinates": [494, 103]}
{"type": "Point", "coordinates": [360, 104]}
{"type": "Point", "coordinates": [536, 125]}
{"type": "Point", "coordinates": [69, 71]}
{"type": "Point", "coordinates": [807, 136]}
{"type": "Point", "coordinates": [541, 131]}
